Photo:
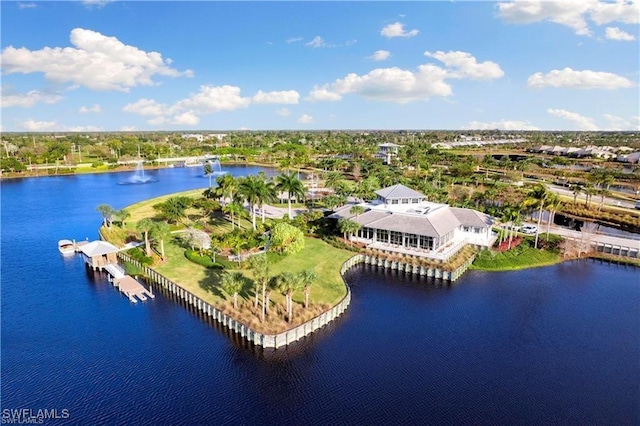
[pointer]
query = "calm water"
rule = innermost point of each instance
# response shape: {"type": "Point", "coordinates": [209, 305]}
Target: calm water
{"type": "Point", "coordinates": [552, 345]}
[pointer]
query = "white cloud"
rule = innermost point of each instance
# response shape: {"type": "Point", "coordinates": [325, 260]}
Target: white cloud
{"type": "Point", "coordinates": [586, 79]}
{"type": "Point", "coordinates": [283, 97]}
{"type": "Point", "coordinates": [27, 5]}
{"type": "Point", "coordinates": [581, 122]}
{"type": "Point", "coordinates": [83, 129]}
{"type": "Point", "coordinates": [402, 86]}
{"type": "Point", "coordinates": [38, 126]}
{"type": "Point", "coordinates": [92, 109]}
{"type": "Point", "coordinates": [316, 42]}
{"type": "Point", "coordinates": [501, 125]}
{"type": "Point", "coordinates": [96, 3]}
{"type": "Point", "coordinates": [305, 119]}
{"type": "Point", "coordinates": [146, 107]}
{"type": "Point", "coordinates": [397, 30]}
{"type": "Point", "coordinates": [96, 61]}
{"type": "Point", "coordinates": [619, 123]}
{"type": "Point", "coordinates": [615, 33]}
{"type": "Point", "coordinates": [293, 40]}
{"type": "Point", "coordinates": [570, 13]}
{"type": "Point", "coordinates": [128, 128]}
{"type": "Point", "coordinates": [323, 93]}
{"type": "Point", "coordinates": [380, 55]}
{"type": "Point", "coordinates": [626, 11]}
{"type": "Point", "coordinates": [283, 112]}
{"type": "Point", "coordinates": [29, 99]}
{"type": "Point", "coordinates": [209, 100]}
{"type": "Point", "coordinates": [187, 118]}
{"type": "Point", "coordinates": [464, 65]}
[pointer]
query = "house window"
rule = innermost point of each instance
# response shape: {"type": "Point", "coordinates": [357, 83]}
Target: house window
{"type": "Point", "coordinates": [405, 201]}
{"type": "Point", "coordinates": [396, 237]}
{"type": "Point", "coordinates": [415, 200]}
{"type": "Point", "coordinates": [383, 236]}
{"type": "Point", "coordinates": [394, 201]}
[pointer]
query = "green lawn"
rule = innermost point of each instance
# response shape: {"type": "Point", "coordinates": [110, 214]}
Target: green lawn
{"type": "Point", "coordinates": [144, 209]}
{"type": "Point", "coordinates": [522, 258]}
{"type": "Point", "coordinates": [324, 259]}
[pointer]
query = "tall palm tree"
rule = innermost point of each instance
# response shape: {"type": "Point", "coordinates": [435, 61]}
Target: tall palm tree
{"type": "Point", "coordinates": [233, 209]}
{"type": "Point", "coordinates": [537, 197]}
{"type": "Point", "coordinates": [307, 278]}
{"type": "Point", "coordinates": [260, 266]}
{"type": "Point", "coordinates": [287, 283]}
{"type": "Point", "coordinates": [267, 195]}
{"type": "Point", "coordinates": [232, 284]}
{"type": "Point", "coordinates": [160, 232]}
{"type": "Point", "coordinates": [576, 188]}
{"type": "Point", "coordinates": [250, 189]}
{"type": "Point", "coordinates": [553, 204]}
{"type": "Point", "coordinates": [227, 187]}
{"type": "Point", "coordinates": [589, 191]}
{"type": "Point", "coordinates": [145, 225]}
{"type": "Point", "coordinates": [289, 183]}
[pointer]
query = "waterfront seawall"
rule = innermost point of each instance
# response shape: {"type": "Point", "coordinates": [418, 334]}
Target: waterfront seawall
{"type": "Point", "coordinates": [259, 339]}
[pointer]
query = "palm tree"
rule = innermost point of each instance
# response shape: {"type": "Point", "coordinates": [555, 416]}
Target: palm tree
{"type": "Point", "coordinates": [307, 278]}
{"type": "Point", "coordinates": [107, 214]}
{"type": "Point", "coordinates": [576, 188]}
{"type": "Point", "coordinates": [589, 191]}
{"type": "Point", "coordinates": [553, 204]}
{"type": "Point", "coordinates": [260, 266]}
{"type": "Point", "coordinates": [348, 226]}
{"type": "Point", "coordinates": [232, 284]}
{"type": "Point", "coordinates": [160, 232]}
{"type": "Point", "coordinates": [289, 183]}
{"type": "Point", "coordinates": [145, 225]}
{"type": "Point", "coordinates": [122, 215]}
{"type": "Point", "coordinates": [267, 194]}
{"type": "Point", "coordinates": [331, 179]}
{"type": "Point", "coordinates": [357, 210]}
{"type": "Point", "coordinates": [250, 189]}
{"type": "Point", "coordinates": [233, 209]}
{"type": "Point", "coordinates": [287, 283]}
{"type": "Point", "coordinates": [537, 197]}
{"type": "Point", "coordinates": [227, 187]}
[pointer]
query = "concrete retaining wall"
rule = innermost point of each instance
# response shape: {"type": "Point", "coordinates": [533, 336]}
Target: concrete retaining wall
{"type": "Point", "coordinates": [258, 339]}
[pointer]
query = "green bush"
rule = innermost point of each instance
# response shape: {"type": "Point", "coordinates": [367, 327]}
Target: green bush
{"type": "Point", "coordinates": [139, 255]}
{"type": "Point", "coordinates": [201, 259]}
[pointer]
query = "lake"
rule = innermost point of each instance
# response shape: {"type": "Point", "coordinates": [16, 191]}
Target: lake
{"type": "Point", "coordinates": [559, 344]}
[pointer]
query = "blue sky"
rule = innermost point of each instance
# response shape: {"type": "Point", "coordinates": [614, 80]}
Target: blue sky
{"type": "Point", "coordinates": [111, 65]}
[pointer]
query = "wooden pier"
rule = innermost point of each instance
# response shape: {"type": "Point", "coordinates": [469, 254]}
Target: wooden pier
{"type": "Point", "coordinates": [132, 289]}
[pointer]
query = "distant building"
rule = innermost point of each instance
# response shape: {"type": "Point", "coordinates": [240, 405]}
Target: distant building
{"type": "Point", "coordinates": [401, 220]}
{"type": "Point", "coordinates": [387, 151]}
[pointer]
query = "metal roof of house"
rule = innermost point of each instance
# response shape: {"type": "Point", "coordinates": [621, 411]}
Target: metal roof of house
{"type": "Point", "coordinates": [98, 248]}
{"type": "Point", "coordinates": [469, 217]}
{"type": "Point", "coordinates": [436, 224]}
{"type": "Point", "coordinates": [398, 191]}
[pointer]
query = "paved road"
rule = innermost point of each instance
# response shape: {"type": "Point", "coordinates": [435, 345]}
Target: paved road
{"type": "Point", "coordinates": [596, 198]}
{"type": "Point", "coordinates": [605, 239]}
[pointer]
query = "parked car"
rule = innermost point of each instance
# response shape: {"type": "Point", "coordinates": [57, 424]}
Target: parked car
{"type": "Point", "coordinates": [529, 229]}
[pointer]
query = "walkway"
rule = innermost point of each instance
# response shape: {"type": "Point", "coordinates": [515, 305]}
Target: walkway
{"type": "Point", "coordinates": [126, 284]}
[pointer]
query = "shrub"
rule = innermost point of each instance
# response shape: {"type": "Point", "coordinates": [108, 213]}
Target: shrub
{"type": "Point", "coordinates": [139, 255]}
{"type": "Point", "coordinates": [202, 260]}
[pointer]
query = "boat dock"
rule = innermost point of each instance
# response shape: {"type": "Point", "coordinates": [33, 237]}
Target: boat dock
{"type": "Point", "coordinates": [127, 285]}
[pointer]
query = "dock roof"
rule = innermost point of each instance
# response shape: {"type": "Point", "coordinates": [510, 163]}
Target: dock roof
{"type": "Point", "coordinates": [98, 248]}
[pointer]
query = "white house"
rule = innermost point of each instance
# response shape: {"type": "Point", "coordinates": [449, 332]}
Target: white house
{"type": "Point", "coordinates": [401, 220]}
{"type": "Point", "coordinates": [387, 151]}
